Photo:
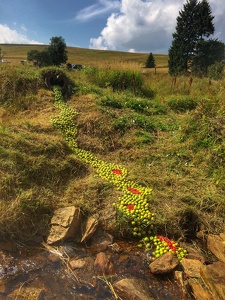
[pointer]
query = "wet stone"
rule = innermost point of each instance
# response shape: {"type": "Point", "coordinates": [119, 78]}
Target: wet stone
{"type": "Point", "coordinates": [26, 293]}
{"type": "Point", "coordinates": [164, 264]}
{"type": "Point", "coordinates": [132, 289]}
{"type": "Point", "coordinates": [2, 286]}
{"type": "Point", "coordinates": [81, 263]}
{"type": "Point", "coordinates": [103, 265]}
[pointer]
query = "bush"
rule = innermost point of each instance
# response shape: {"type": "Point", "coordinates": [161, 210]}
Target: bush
{"type": "Point", "coordinates": [182, 104]}
{"type": "Point", "coordinates": [111, 102]}
{"type": "Point", "coordinates": [216, 71]}
{"type": "Point", "coordinates": [119, 80]}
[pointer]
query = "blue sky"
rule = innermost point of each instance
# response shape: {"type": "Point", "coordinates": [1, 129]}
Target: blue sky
{"type": "Point", "coordinates": [124, 25]}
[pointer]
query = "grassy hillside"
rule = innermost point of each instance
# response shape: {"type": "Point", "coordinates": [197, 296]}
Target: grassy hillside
{"type": "Point", "coordinates": [86, 57]}
{"type": "Point", "coordinates": [168, 135]}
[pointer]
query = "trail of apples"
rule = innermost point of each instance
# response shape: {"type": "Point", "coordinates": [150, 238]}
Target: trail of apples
{"type": "Point", "coordinates": [134, 204]}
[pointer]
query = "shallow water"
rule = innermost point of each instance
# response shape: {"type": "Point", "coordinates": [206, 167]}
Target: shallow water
{"type": "Point", "coordinates": [37, 271]}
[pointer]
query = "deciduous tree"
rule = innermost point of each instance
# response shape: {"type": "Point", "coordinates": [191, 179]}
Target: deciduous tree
{"type": "Point", "coordinates": [55, 54]}
{"type": "Point", "coordinates": [57, 51]}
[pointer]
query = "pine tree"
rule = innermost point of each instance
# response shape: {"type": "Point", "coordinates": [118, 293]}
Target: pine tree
{"type": "Point", "coordinates": [205, 19]}
{"type": "Point", "coordinates": [150, 63]}
{"type": "Point", "coordinates": [211, 49]}
{"type": "Point", "coordinates": [193, 23]}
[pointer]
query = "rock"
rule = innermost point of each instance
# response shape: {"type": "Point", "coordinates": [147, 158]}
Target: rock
{"type": "Point", "coordinates": [132, 289]}
{"type": "Point", "coordinates": [8, 246]}
{"type": "Point", "coordinates": [25, 293]}
{"type": "Point", "coordinates": [83, 272]}
{"type": "Point", "coordinates": [90, 228]}
{"type": "Point", "coordinates": [214, 277]}
{"type": "Point", "coordinates": [194, 252]}
{"type": "Point", "coordinates": [65, 224]}
{"type": "Point", "coordinates": [216, 244]}
{"type": "Point", "coordinates": [192, 267]}
{"type": "Point", "coordinates": [103, 265]}
{"type": "Point", "coordinates": [80, 263]}
{"type": "Point", "coordinates": [2, 286]}
{"type": "Point", "coordinates": [100, 241]}
{"type": "Point", "coordinates": [199, 290]}
{"type": "Point", "coordinates": [96, 248]}
{"type": "Point", "coordinates": [178, 275]}
{"type": "Point", "coordinates": [164, 264]}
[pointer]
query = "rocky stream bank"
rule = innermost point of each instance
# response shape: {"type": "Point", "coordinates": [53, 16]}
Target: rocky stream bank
{"type": "Point", "coordinates": [80, 260]}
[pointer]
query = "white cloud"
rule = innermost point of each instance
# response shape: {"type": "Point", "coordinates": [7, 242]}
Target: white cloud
{"type": "Point", "coordinates": [95, 10]}
{"type": "Point", "coordinates": [218, 10]}
{"type": "Point", "coordinates": [147, 26]}
{"type": "Point", "coordinates": [12, 36]}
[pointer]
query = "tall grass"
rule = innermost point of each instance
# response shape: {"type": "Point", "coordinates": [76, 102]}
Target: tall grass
{"type": "Point", "coordinates": [168, 133]}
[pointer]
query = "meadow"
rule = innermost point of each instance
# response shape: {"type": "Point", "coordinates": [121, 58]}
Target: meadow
{"type": "Point", "coordinates": [168, 133]}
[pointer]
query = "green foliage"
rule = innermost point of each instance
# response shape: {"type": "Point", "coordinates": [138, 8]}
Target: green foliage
{"type": "Point", "coordinates": [126, 122]}
{"type": "Point", "coordinates": [150, 63]}
{"type": "Point", "coordinates": [39, 58]}
{"type": "Point", "coordinates": [55, 54]}
{"type": "Point", "coordinates": [119, 80]}
{"type": "Point", "coordinates": [193, 23]}
{"type": "Point", "coordinates": [111, 102]}
{"type": "Point", "coordinates": [57, 51]}
{"type": "Point", "coordinates": [208, 53]}
{"type": "Point", "coordinates": [215, 71]}
{"type": "Point", "coordinates": [137, 104]}
{"type": "Point", "coordinates": [143, 137]}
{"type": "Point", "coordinates": [182, 104]}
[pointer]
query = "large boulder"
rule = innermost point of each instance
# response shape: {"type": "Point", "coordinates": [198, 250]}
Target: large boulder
{"type": "Point", "coordinates": [65, 224]}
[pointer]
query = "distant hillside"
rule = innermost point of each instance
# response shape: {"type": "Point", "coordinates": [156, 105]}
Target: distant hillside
{"type": "Point", "coordinates": [89, 57]}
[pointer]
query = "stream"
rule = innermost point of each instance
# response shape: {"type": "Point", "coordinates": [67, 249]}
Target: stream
{"type": "Point", "coordinates": [33, 272]}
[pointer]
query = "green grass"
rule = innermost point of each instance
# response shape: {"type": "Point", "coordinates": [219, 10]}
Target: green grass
{"type": "Point", "coordinates": [170, 137]}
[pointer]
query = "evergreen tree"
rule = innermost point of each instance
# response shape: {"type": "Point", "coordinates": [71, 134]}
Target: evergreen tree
{"type": "Point", "coordinates": [205, 19]}
{"type": "Point", "coordinates": [193, 23]}
{"type": "Point", "coordinates": [213, 50]}
{"type": "Point", "coordinates": [150, 63]}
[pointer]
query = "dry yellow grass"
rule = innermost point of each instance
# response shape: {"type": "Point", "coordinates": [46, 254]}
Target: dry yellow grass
{"type": "Point", "coordinates": [89, 57]}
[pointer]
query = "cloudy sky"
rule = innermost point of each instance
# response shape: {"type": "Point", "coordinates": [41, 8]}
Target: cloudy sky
{"type": "Point", "coordinates": [124, 25]}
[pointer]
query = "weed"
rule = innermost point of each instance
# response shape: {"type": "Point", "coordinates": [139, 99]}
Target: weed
{"type": "Point", "coordinates": [111, 102]}
{"type": "Point", "coordinates": [182, 104]}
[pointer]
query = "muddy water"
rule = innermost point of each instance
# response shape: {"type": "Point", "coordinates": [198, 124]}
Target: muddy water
{"type": "Point", "coordinates": [32, 272]}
